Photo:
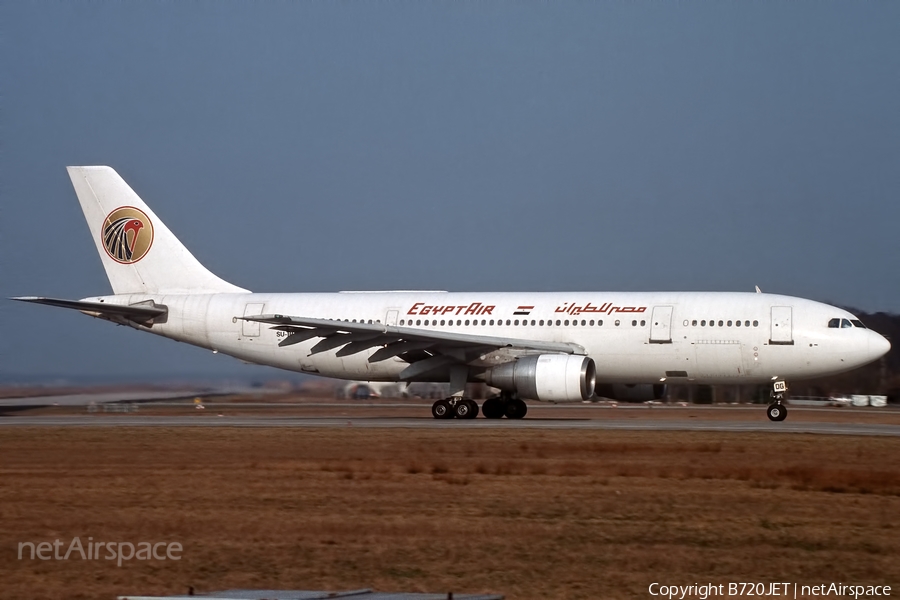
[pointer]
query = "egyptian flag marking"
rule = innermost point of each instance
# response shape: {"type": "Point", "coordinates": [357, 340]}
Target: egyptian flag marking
{"type": "Point", "coordinates": [524, 310]}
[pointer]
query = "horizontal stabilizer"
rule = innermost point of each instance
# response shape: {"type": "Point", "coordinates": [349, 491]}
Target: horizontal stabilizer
{"type": "Point", "coordinates": [141, 313]}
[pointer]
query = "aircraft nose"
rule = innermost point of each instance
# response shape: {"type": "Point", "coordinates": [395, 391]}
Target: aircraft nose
{"type": "Point", "coordinates": [878, 346]}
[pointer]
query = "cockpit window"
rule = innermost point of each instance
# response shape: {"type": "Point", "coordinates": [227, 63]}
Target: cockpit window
{"type": "Point", "coordinates": [845, 323]}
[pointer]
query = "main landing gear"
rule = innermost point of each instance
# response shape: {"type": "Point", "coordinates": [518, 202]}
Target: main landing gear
{"type": "Point", "coordinates": [459, 408]}
{"type": "Point", "coordinates": [504, 405]}
{"type": "Point", "coordinates": [777, 411]}
{"type": "Point", "coordinates": [493, 408]}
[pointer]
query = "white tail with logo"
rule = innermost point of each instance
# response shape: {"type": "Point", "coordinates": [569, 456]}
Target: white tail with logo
{"type": "Point", "coordinates": [138, 251]}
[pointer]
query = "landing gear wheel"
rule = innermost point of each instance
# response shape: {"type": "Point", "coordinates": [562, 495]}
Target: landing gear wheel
{"type": "Point", "coordinates": [493, 408]}
{"type": "Point", "coordinates": [474, 411]}
{"type": "Point", "coordinates": [776, 412]}
{"type": "Point", "coordinates": [442, 410]}
{"type": "Point", "coordinates": [516, 409]}
{"type": "Point", "coordinates": [465, 409]}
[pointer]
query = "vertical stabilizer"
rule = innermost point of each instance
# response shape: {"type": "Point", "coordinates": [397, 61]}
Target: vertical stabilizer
{"type": "Point", "coordinates": [138, 251]}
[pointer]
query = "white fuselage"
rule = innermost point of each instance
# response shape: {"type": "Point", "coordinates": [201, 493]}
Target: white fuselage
{"type": "Point", "coordinates": [672, 337]}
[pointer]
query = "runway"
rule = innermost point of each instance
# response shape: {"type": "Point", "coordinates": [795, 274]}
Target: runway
{"type": "Point", "coordinates": [120, 396]}
{"type": "Point", "coordinates": [643, 424]}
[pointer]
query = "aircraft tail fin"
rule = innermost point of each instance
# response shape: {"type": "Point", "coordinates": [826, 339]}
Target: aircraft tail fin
{"type": "Point", "coordinates": [140, 254]}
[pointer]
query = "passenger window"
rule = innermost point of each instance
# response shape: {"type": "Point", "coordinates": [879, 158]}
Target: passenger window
{"type": "Point", "coordinates": [600, 323]}
{"type": "Point", "coordinates": [557, 322]}
{"type": "Point", "coordinates": [566, 323]}
{"type": "Point", "coordinates": [729, 323]}
{"type": "Point", "coordinates": [834, 323]}
{"type": "Point", "coordinates": [634, 323]}
{"type": "Point", "coordinates": [737, 323]}
{"type": "Point", "coordinates": [582, 322]}
{"type": "Point", "coordinates": [532, 322]}
{"type": "Point", "coordinates": [507, 322]}
{"type": "Point", "coordinates": [703, 323]}
{"type": "Point", "coordinates": [541, 322]}
{"type": "Point", "coordinates": [443, 322]}
{"type": "Point", "coordinates": [591, 322]}
{"type": "Point", "coordinates": [617, 322]}
{"type": "Point", "coordinates": [756, 323]}
{"type": "Point", "coordinates": [418, 322]}
{"type": "Point", "coordinates": [643, 323]}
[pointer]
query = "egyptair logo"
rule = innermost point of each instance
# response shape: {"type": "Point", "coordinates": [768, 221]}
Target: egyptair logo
{"type": "Point", "coordinates": [127, 235]}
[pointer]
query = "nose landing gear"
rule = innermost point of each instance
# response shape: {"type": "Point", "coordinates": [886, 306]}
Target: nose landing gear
{"type": "Point", "coordinates": [777, 410]}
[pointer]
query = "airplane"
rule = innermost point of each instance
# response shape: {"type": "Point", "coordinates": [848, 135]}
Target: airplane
{"type": "Point", "coordinates": [543, 346]}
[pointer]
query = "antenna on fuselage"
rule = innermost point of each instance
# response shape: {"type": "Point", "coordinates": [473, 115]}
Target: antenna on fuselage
{"type": "Point", "coordinates": [758, 291]}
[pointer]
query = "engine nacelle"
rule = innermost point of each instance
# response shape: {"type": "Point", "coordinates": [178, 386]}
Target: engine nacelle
{"type": "Point", "coordinates": [547, 377]}
{"type": "Point", "coordinates": [641, 392]}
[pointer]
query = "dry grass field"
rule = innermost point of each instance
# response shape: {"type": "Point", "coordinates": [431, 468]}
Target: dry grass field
{"type": "Point", "coordinates": [528, 513]}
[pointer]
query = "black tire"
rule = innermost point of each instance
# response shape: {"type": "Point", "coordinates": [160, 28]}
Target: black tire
{"type": "Point", "coordinates": [516, 409]}
{"type": "Point", "coordinates": [463, 409]}
{"type": "Point", "coordinates": [473, 412]}
{"type": "Point", "coordinates": [776, 412]}
{"type": "Point", "coordinates": [441, 410]}
{"type": "Point", "coordinates": [493, 408]}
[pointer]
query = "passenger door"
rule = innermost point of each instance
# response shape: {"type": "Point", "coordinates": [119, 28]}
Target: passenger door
{"type": "Point", "coordinates": [661, 325]}
{"type": "Point", "coordinates": [251, 328]}
{"type": "Point", "coordinates": [782, 328]}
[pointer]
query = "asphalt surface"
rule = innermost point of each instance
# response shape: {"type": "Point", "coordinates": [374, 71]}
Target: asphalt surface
{"type": "Point", "coordinates": [647, 424]}
{"type": "Point", "coordinates": [88, 398]}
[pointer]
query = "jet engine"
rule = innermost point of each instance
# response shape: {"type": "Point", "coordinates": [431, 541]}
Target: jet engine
{"type": "Point", "coordinates": [631, 392]}
{"type": "Point", "coordinates": [547, 377]}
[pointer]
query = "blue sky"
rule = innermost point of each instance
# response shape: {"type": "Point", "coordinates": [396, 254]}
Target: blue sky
{"type": "Point", "coordinates": [449, 145]}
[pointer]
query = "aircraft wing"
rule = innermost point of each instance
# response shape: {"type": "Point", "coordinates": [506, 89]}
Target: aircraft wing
{"type": "Point", "coordinates": [440, 347]}
{"type": "Point", "coordinates": [143, 313]}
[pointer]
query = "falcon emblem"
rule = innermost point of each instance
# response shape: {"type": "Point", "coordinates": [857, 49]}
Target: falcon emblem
{"type": "Point", "coordinates": [127, 235]}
